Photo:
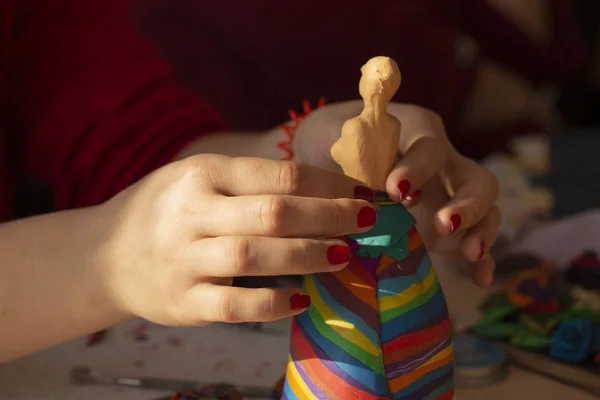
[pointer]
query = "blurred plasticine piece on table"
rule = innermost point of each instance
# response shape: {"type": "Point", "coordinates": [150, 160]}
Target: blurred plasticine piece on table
{"type": "Point", "coordinates": [575, 340]}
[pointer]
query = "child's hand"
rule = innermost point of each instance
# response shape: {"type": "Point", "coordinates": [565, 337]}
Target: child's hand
{"type": "Point", "coordinates": [182, 234]}
{"type": "Point", "coordinates": [456, 195]}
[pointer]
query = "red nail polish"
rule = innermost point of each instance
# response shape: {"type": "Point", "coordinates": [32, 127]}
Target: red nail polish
{"type": "Point", "coordinates": [404, 188]}
{"type": "Point", "coordinates": [299, 301]}
{"type": "Point", "coordinates": [455, 222]}
{"type": "Point", "coordinates": [96, 337]}
{"type": "Point", "coordinates": [364, 193]}
{"type": "Point", "coordinates": [481, 249]}
{"type": "Point", "coordinates": [413, 195]}
{"type": "Point", "coordinates": [338, 255]}
{"type": "Point", "coordinates": [366, 217]}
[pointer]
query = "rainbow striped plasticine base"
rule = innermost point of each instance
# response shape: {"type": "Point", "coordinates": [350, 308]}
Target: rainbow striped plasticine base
{"type": "Point", "coordinates": [378, 329]}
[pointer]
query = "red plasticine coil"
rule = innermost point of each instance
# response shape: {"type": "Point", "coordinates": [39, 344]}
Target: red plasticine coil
{"type": "Point", "coordinates": [290, 128]}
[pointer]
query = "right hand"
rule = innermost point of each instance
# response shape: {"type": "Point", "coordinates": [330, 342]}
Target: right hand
{"type": "Point", "coordinates": [452, 185]}
{"type": "Point", "coordinates": [182, 233]}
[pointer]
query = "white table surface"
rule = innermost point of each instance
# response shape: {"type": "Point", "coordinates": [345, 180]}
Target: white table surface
{"type": "Point", "coordinates": [229, 353]}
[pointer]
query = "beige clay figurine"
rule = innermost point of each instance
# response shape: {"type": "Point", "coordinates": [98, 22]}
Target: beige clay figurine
{"type": "Point", "coordinates": [379, 329]}
{"type": "Point", "coordinates": [368, 147]}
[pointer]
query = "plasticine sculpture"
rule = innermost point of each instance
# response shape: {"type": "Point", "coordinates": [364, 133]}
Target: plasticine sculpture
{"type": "Point", "coordinates": [379, 329]}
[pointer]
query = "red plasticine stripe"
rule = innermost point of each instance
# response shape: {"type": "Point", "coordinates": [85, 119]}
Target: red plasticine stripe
{"type": "Point", "coordinates": [290, 128]}
{"type": "Point", "coordinates": [416, 338]}
{"type": "Point", "coordinates": [96, 337]}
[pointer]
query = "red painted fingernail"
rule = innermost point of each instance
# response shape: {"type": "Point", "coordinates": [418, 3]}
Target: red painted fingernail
{"type": "Point", "coordinates": [299, 301]}
{"type": "Point", "coordinates": [338, 255]}
{"type": "Point", "coordinates": [404, 188]}
{"type": "Point", "coordinates": [364, 193]}
{"type": "Point", "coordinates": [96, 337]}
{"type": "Point", "coordinates": [455, 222]}
{"type": "Point", "coordinates": [481, 249]}
{"type": "Point", "coordinates": [413, 195]}
{"type": "Point", "coordinates": [366, 217]}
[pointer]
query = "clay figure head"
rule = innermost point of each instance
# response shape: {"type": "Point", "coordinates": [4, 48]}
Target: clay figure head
{"type": "Point", "coordinates": [380, 80]}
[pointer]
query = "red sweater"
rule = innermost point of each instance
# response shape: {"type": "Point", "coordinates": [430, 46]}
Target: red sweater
{"type": "Point", "coordinates": [88, 106]}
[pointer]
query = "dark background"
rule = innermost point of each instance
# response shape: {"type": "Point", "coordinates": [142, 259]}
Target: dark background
{"type": "Point", "coordinates": [575, 169]}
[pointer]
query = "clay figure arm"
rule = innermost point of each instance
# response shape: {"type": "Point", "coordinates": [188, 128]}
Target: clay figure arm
{"type": "Point", "coordinates": [345, 150]}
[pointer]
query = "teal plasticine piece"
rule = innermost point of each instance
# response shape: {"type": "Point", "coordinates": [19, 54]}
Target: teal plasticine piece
{"type": "Point", "coordinates": [386, 236]}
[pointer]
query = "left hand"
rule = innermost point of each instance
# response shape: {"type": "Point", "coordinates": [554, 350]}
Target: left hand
{"type": "Point", "coordinates": [450, 195]}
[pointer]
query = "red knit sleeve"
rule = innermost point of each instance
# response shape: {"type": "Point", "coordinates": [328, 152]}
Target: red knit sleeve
{"type": "Point", "coordinates": [96, 105]}
{"type": "Point", "coordinates": [504, 42]}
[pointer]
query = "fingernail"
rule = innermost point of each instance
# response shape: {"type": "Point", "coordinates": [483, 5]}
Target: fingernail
{"type": "Point", "coordinates": [414, 195]}
{"type": "Point", "coordinates": [455, 222]}
{"type": "Point", "coordinates": [366, 217]}
{"type": "Point", "coordinates": [299, 301]}
{"type": "Point", "coordinates": [338, 255]}
{"type": "Point", "coordinates": [481, 249]}
{"type": "Point", "coordinates": [364, 193]}
{"type": "Point", "coordinates": [404, 188]}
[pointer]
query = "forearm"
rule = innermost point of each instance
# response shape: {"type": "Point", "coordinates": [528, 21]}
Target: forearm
{"type": "Point", "coordinates": [238, 144]}
{"type": "Point", "coordinates": [51, 281]}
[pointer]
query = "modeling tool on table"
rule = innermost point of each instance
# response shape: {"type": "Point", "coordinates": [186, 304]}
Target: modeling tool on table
{"type": "Point", "coordinates": [379, 329]}
{"type": "Point", "coordinates": [185, 389]}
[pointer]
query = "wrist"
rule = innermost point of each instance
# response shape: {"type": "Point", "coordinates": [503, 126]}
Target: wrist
{"type": "Point", "coordinates": [102, 271]}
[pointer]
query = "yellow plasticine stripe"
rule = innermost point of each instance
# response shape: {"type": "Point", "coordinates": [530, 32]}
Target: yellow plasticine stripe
{"type": "Point", "coordinates": [297, 383]}
{"type": "Point", "coordinates": [413, 291]}
{"type": "Point", "coordinates": [446, 353]}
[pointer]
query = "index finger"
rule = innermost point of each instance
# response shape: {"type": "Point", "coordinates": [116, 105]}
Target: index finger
{"type": "Point", "coordinates": [471, 202]}
{"type": "Point", "coordinates": [246, 176]}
